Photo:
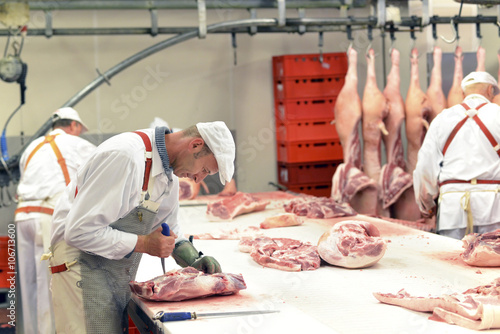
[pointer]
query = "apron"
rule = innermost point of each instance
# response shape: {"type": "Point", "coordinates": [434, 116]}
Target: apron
{"type": "Point", "coordinates": [104, 283]}
{"type": "Point", "coordinates": [466, 198]}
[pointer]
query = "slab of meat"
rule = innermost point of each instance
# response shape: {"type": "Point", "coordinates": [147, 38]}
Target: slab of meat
{"type": "Point", "coordinates": [482, 250]}
{"type": "Point", "coordinates": [234, 234]}
{"type": "Point", "coordinates": [476, 308]}
{"type": "Point", "coordinates": [352, 244]}
{"type": "Point", "coordinates": [188, 189]}
{"type": "Point", "coordinates": [481, 59]}
{"type": "Point", "coordinates": [232, 206]}
{"type": "Point", "coordinates": [281, 253]}
{"type": "Point", "coordinates": [282, 220]}
{"type": "Point", "coordinates": [435, 93]}
{"type": "Point", "coordinates": [318, 207]}
{"type": "Point", "coordinates": [456, 94]}
{"type": "Point", "coordinates": [375, 110]}
{"type": "Point", "coordinates": [349, 183]}
{"type": "Point", "coordinates": [393, 178]}
{"type": "Point", "coordinates": [187, 283]}
{"type": "Point", "coordinates": [418, 111]}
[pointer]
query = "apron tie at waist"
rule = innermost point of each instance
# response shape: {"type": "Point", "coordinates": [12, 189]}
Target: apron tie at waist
{"type": "Point", "coordinates": [62, 267]}
{"type": "Point", "coordinates": [40, 209]}
{"type": "Point", "coordinates": [465, 204]}
{"type": "Point", "coordinates": [473, 182]}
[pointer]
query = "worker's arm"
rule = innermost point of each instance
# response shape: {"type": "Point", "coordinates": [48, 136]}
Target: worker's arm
{"type": "Point", "coordinates": [187, 256]}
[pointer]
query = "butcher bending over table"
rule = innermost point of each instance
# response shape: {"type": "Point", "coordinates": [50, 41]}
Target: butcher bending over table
{"type": "Point", "coordinates": [112, 213]}
{"type": "Point", "coordinates": [460, 161]}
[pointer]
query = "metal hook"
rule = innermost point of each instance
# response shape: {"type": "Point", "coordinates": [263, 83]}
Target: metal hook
{"type": "Point", "coordinates": [350, 47]}
{"type": "Point", "coordinates": [393, 37]}
{"type": "Point", "coordinates": [454, 26]}
{"type": "Point", "coordinates": [367, 53]}
{"type": "Point", "coordinates": [478, 31]}
{"type": "Point", "coordinates": [320, 45]}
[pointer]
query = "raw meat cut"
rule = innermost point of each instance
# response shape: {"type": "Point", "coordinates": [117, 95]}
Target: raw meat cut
{"type": "Point", "coordinates": [234, 234]}
{"type": "Point", "coordinates": [476, 308]}
{"type": "Point", "coordinates": [481, 59]}
{"type": "Point", "coordinates": [434, 92]}
{"type": "Point", "coordinates": [229, 189]}
{"type": "Point", "coordinates": [188, 189]}
{"type": "Point", "coordinates": [352, 244]}
{"type": "Point", "coordinates": [230, 207]}
{"type": "Point", "coordinates": [188, 283]}
{"type": "Point", "coordinates": [318, 207]}
{"type": "Point", "coordinates": [375, 110]}
{"type": "Point", "coordinates": [456, 94]}
{"type": "Point", "coordinates": [393, 178]}
{"type": "Point", "coordinates": [282, 220]}
{"type": "Point", "coordinates": [281, 253]}
{"type": "Point", "coordinates": [349, 183]}
{"type": "Point", "coordinates": [482, 250]}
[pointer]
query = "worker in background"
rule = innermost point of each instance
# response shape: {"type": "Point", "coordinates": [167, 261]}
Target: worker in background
{"type": "Point", "coordinates": [113, 212]}
{"type": "Point", "coordinates": [47, 165]}
{"type": "Point", "coordinates": [459, 161]}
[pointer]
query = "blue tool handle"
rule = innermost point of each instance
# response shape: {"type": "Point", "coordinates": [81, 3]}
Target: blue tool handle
{"type": "Point", "coordinates": [165, 229]}
{"type": "Point", "coordinates": [5, 153]}
{"type": "Point", "coordinates": [175, 316]}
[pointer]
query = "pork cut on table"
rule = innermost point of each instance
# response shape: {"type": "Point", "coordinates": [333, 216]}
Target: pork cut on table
{"type": "Point", "coordinates": [188, 283]}
{"type": "Point", "coordinates": [352, 244]}
{"type": "Point", "coordinates": [349, 183]}
{"type": "Point", "coordinates": [434, 92]}
{"type": "Point", "coordinates": [281, 253]}
{"type": "Point", "coordinates": [394, 180]}
{"type": "Point", "coordinates": [482, 250]}
{"type": "Point", "coordinates": [476, 308]}
{"type": "Point", "coordinates": [318, 207]}
{"type": "Point", "coordinates": [282, 220]}
{"type": "Point", "coordinates": [232, 206]}
{"type": "Point", "coordinates": [375, 110]}
{"type": "Point", "coordinates": [456, 94]}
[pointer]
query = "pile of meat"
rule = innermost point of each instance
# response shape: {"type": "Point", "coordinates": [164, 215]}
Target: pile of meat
{"type": "Point", "coordinates": [232, 206]}
{"type": "Point", "coordinates": [281, 253]}
{"type": "Point", "coordinates": [352, 244]}
{"type": "Point", "coordinates": [482, 250]}
{"type": "Point", "coordinates": [188, 283]}
{"type": "Point", "coordinates": [476, 308]}
{"type": "Point", "coordinates": [318, 207]}
{"type": "Point", "coordinates": [282, 220]}
{"type": "Point", "coordinates": [188, 189]}
{"type": "Point", "coordinates": [229, 234]}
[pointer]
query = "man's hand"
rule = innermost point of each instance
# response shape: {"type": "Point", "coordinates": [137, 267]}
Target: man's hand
{"type": "Point", "coordinates": [156, 244]}
{"type": "Point", "coordinates": [207, 264]}
{"type": "Point", "coordinates": [429, 213]}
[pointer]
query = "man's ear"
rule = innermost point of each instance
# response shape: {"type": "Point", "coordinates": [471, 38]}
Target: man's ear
{"type": "Point", "coordinates": [196, 145]}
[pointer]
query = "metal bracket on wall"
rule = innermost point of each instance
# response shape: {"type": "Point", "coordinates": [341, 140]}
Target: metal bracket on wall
{"type": "Point", "coordinates": [302, 14]}
{"type": "Point", "coordinates": [48, 24]}
{"type": "Point", "coordinates": [202, 19]}
{"type": "Point", "coordinates": [281, 13]}
{"type": "Point", "coordinates": [154, 22]}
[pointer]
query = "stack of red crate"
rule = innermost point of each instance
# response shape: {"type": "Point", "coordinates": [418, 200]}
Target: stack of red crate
{"type": "Point", "coordinates": [308, 147]}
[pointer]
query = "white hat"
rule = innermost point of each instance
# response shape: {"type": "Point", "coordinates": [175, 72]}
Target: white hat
{"type": "Point", "coordinates": [220, 141]}
{"type": "Point", "coordinates": [480, 77]}
{"type": "Point", "coordinates": [69, 113]}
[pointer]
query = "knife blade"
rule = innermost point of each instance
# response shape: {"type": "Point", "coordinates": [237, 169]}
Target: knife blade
{"type": "Point", "coordinates": [165, 231]}
{"type": "Point", "coordinates": [179, 316]}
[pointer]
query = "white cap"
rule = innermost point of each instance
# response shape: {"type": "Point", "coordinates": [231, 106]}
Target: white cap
{"type": "Point", "coordinates": [72, 114]}
{"type": "Point", "coordinates": [220, 141]}
{"type": "Point", "coordinates": [480, 77]}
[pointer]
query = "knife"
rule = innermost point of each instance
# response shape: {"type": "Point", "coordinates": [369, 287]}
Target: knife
{"type": "Point", "coordinates": [165, 231]}
{"type": "Point", "coordinates": [178, 316]}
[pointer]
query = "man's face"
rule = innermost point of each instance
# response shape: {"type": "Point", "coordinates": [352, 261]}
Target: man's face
{"type": "Point", "coordinates": [194, 165]}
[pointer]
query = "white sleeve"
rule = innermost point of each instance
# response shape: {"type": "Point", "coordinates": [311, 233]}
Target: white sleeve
{"type": "Point", "coordinates": [108, 186]}
{"type": "Point", "coordinates": [426, 173]}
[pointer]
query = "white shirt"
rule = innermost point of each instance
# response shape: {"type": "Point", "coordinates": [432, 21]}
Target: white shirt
{"type": "Point", "coordinates": [109, 186]}
{"type": "Point", "coordinates": [43, 178]}
{"type": "Point", "coordinates": [470, 155]}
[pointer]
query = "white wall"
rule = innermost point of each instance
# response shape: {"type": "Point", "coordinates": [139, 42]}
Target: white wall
{"type": "Point", "coordinates": [194, 81]}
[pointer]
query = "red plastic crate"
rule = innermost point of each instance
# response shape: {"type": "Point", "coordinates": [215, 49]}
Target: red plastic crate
{"type": "Point", "coordinates": [311, 172]}
{"type": "Point", "coordinates": [4, 251]}
{"type": "Point", "coordinates": [306, 87]}
{"type": "Point", "coordinates": [319, 190]}
{"type": "Point", "coordinates": [303, 109]}
{"type": "Point", "coordinates": [5, 274]}
{"type": "Point", "coordinates": [309, 151]}
{"type": "Point", "coordinates": [309, 64]}
{"type": "Point", "coordinates": [307, 130]}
